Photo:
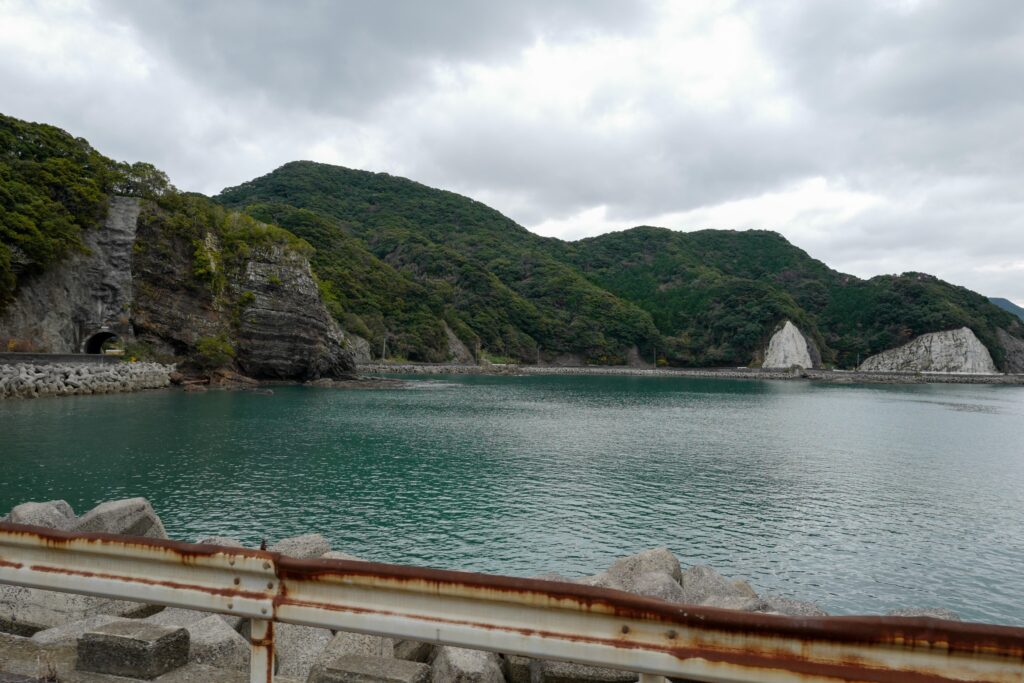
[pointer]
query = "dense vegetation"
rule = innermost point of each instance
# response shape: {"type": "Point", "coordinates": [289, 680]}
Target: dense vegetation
{"type": "Point", "coordinates": [718, 294]}
{"type": "Point", "coordinates": [491, 281]}
{"type": "Point", "coordinates": [407, 266]}
{"type": "Point", "coordinates": [711, 297]}
{"type": "Point", "coordinates": [1008, 305]}
{"type": "Point", "coordinates": [53, 186]}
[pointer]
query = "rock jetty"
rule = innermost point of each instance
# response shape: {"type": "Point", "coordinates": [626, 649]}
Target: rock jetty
{"type": "Point", "coordinates": [30, 380]}
{"type": "Point", "coordinates": [87, 639]}
{"type": "Point", "coordinates": [958, 351]}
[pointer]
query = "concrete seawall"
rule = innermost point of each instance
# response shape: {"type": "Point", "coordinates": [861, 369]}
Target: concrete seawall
{"type": "Point", "coordinates": [832, 376]}
{"type": "Point", "coordinates": [31, 380]}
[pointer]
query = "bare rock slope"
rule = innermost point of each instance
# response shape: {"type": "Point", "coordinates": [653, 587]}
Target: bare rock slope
{"type": "Point", "coordinates": [958, 351]}
{"type": "Point", "coordinates": [789, 347]}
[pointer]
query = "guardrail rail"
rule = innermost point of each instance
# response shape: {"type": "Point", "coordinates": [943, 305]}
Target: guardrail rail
{"type": "Point", "coordinates": [541, 619]}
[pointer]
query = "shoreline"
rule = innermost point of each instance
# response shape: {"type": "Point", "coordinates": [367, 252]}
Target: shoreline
{"type": "Point", "coordinates": [828, 376]}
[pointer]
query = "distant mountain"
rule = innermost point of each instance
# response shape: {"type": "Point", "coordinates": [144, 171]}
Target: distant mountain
{"type": "Point", "coordinates": [430, 275]}
{"type": "Point", "coordinates": [1008, 305]}
{"type": "Point", "coordinates": [711, 297]}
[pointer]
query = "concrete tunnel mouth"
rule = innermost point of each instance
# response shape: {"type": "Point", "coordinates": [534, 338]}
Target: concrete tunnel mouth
{"type": "Point", "coordinates": [94, 344]}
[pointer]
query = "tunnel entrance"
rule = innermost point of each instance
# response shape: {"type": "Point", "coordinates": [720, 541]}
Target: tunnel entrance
{"type": "Point", "coordinates": [94, 344]}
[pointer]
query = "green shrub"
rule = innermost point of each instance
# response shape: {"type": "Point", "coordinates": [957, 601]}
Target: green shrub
{"type": "Point", "coordinates": [214, 352]}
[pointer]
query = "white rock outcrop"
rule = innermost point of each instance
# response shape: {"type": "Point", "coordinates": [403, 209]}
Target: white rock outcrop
{"type": "Point", "coordinates": [788, 347]}
{"type": "Point", "coordinates": [958, 351]}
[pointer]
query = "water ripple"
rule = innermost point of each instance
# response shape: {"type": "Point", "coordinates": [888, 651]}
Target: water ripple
{"type": "Point", "coordinates": [861, 498]}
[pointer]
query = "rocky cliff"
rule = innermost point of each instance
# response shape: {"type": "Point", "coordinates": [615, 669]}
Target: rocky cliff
{"type": "Point", "coordinates": [86, 297]}
{"type": "Point", "coordinates": [1014, 348]}
{"type": "Point", "coordinates": [146, 278]}
{"type": "Point", "coordinates": [789, 347]}
{"type": "Point", "coordinates": [283, 329]}
{"type": "Point", "coordinates": [950, 351]}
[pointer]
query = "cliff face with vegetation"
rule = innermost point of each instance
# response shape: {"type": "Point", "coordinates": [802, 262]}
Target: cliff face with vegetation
{"type": "Point", "coordinates": [267, 275]}
{"type": "Point", "coordinates": [175, 276]}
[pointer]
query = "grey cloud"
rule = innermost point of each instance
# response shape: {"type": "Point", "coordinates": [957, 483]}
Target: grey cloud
{"type": "Point", "coordinates": [921, 107]}
{"type": "Point", "coordinates": [347, 57]}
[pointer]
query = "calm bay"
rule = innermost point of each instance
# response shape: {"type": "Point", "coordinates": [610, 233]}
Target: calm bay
{"type": "Point", "coordinates": [861, 498]}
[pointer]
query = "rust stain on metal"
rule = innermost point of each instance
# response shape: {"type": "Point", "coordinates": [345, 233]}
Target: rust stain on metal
{"type": "Point", "coordinates": [764, 640]}
{"type": "Point", "coordinates": [226, 592]}
{"type": "Point", "coordinates": [750, 658]}
{"type": "Point", "coordinates": [12, 565]}
{"type": "Point", "coordinates": [185, 551]}
{"type": "Point", "coordinates": [907, 632]}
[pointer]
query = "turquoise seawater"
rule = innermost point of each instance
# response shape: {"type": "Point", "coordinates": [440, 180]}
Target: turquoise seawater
{"type": "Point", "coordinates": [863, 499]}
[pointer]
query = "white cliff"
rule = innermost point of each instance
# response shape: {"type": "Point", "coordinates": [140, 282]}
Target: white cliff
{"type": "Point", "coordinates": [787, 348]}
{"type": "Point", "coordinates": [949, 351]}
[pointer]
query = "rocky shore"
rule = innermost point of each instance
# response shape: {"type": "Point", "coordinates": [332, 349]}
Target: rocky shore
{"type": "Point", "coordinates": [34, 380]}
{"type": "Point", "coordinates": [831, 376]}
{"type": "Point", "coordinates": [75, 638]}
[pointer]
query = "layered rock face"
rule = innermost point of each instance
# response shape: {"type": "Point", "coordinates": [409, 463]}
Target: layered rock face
{"type": "Point", "coordinates": [958, 351]}
{"type": "Point", "coordinates": [58, 310]}
{"type": "Point", "coordinates": [137, 281]}
{"type": "Point", "coordinates": [285, 331]}
{"type": "Point", "coordinates": [788, 348]}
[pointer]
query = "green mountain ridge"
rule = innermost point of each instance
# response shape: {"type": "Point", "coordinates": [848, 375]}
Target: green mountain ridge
{"type": "Point", "coordinates": [1008, 305]}
{"type": "Point", "coordinates": [703, 298]}
{"type": "Point", "coordinates": [408, 267]}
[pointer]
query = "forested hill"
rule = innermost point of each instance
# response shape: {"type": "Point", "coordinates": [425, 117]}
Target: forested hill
{"type": "Point", "coordinates": [416, 270]}
{"type": "Point", "coordinates": [1008, 305]}
{"type": "Point", "coordinates": [435, 256]}
{"type": "Point", "coordinates": [398, 258]}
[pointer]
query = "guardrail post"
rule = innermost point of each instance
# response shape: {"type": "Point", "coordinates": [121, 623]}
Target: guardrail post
{"type": "Point", "coordinates": [261, 658]}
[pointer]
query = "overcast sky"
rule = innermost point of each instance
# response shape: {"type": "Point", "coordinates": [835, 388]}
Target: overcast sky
{"type": "Point", "coordinates": [878, 136]}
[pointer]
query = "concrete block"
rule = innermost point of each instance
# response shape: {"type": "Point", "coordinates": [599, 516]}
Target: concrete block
{"type": "Point", "coordinates": [297, 648]}
{"type": "Point", "coordinates": [517, 668]}
{"type": "Point", "coordinates": [129, 517]}
{"type": "Point", "coordinates": [68, 634]}
{"type": "Point", "coordinates": [347, 643]}
{"type": "Point", "coordinates": [214, 643]}
{"type": "Point", "coordinates": [543, 671]}
{"type": "Point", "coordinates": [26, 611]}
{"type": "Point", "coordinates": [305, 547]}
{"type": "Point", "coordinates": [134, 649]}
{"type": "Point", "coordinates": [414, 650]}
{"type": "Point", "coordinates": [175, 616]}
{"type": "Point", "coordinates": [459, 665]}
{"type": "Point", "coordinates": [367, 669]}
{"type": "Point", "coordinates": [56, 514]}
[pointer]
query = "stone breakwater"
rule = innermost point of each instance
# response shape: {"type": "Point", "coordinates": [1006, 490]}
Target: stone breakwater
{"type": "Point", "coordinates": [30, 380]}
{"type": "Point", "coordinates": [96, 640]}
{"type": "Point", "coordinates": [831, 376]}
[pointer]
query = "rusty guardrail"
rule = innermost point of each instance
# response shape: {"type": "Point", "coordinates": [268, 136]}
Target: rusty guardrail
{"type": "Point", "coordinates": [542, 619]}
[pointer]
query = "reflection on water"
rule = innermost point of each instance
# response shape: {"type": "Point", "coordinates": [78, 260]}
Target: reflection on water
{"type": "Point", "coordinates": [861, 498]}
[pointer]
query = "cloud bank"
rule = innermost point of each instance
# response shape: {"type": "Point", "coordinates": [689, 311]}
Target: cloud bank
{"type": "Point", "coordinates": [878, 136]}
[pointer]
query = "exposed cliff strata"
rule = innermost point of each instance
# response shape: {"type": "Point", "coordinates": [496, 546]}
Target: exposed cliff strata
{"type": "Point", "coordinates": [59, 310]}
{"type": "Point", "coordinates": [789, 347]}
{"type": "Point", "coordinates": [171, 311]}
{"type": "Point", "coordinates": [1014, 348]}
{"type": "Point", "coordinates": [267, 307]}
{"type": "Point", "coordinates": [284, 330]}
{"type": "Point", "coordinates": [139, 281]}
{"type": "Point", "coordinates": [950, 351]}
